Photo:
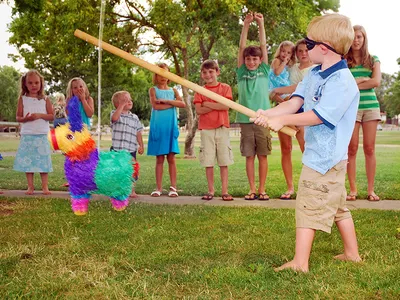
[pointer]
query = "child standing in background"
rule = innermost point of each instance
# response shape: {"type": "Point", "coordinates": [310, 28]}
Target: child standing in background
{"type": "Point", "coordinates": [164, 131]}
{"type": "Point", "coordinates": [60, 116]}
{"type": "Point", "coordinates": [77, 87]}
{"type": "Point", "coordinates": [126, 128]}
{"type": "Point", "coordinates": [214, 129]}
{"type": "Point", "coordinates": [252, 74]}
{"type": "Point", "coordinates": [284, 58]}
{"type": "Point", "coordinates": [34, 111]}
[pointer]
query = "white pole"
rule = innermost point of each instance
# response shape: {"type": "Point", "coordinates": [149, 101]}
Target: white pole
{"type": "Point", "coordinates": [102, 6]}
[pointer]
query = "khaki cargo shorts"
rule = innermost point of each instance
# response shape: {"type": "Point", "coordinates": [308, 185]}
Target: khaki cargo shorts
{"type": "Point", "coordinates": [321, 199]}
{"type": "Point", "coordinates": [368, 115]}
{"type": "Point", "coordinates": [215, 147]}
{"type": "Point", "coordinates": [254, 140]}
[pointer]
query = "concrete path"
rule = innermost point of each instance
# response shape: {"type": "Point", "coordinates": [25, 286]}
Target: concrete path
{"type": "Point", "coordinates": [217, 201]}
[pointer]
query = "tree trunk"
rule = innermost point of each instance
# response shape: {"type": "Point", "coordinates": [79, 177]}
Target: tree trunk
{"type": "Point", "coordinates": [191, 117]}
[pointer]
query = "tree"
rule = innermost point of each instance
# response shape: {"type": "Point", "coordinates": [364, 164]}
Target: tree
{"type": "Point", "coordinates": [42, 31]}
{"type": "Point", "coordinates": [9, 87]}
{"type": "Point", "coordinates": [386, 82]}
{"type": "Point", "coordinates": [392, 96]}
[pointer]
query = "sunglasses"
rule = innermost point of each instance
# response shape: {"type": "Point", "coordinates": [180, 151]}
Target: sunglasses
{"type": "Point", "coordinates": [310, 44]}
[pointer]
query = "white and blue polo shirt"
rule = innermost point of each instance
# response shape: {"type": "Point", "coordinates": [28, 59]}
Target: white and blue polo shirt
{"type": "Point", "coordinates": [333, 96]}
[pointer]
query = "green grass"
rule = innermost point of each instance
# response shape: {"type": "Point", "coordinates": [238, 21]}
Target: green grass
{"type": "Point", "coordinates": [191, 176]}
{"type": "Point", "coordinates": [185, 252]}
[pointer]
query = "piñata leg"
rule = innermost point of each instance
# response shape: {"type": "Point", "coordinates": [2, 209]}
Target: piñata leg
{"type": "Point", "coordinates": [119, 204]}
{"type": "Point", "coordinates": [80, 204]}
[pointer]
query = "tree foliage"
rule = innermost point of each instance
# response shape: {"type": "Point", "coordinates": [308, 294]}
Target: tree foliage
{"type": "Point", "coordinates": [9, 87]}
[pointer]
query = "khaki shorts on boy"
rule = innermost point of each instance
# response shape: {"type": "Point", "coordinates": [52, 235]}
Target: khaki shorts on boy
{"type": "Point", "coordinates": [254, 140]}
{"type": "Point", "coordinates": [368, 115]}
{"type": "Point", "coordinates": [321, 199]}
{"type": "Point", "coordinates": [215, 146]}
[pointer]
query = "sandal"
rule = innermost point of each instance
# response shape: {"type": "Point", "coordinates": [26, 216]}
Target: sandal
{"type": "Point", "coordinates": [172, 192]}
{"type": "Point", "coordinates": [373, 198]}
{"type": "Point", "coordinates": [250, 196]}
{"type": "Point", "coordinates": [227, 197]}
{"type": "Point", "coordinates": [263, 197]}
{"type": "Point", "coordinates": [286, 196]}
{"type": "Point", "coordinates": [155, 193]}
{"type": "Point", "coordinates": [351, 197]}
{"type": "Point", "coordinates": [207, 197]}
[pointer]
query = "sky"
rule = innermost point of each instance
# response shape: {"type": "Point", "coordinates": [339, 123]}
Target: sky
{"type": "Point", "coordinates": [379, 18]}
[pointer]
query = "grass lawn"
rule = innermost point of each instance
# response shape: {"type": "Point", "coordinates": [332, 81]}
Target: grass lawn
{"type": "Point", "coordinates": [191, 176]}
{"type": "Point", "coordinates": [187, 252]}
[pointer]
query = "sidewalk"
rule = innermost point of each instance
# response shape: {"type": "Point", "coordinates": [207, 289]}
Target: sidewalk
{"type": "Point", "coordinates": [217, 201]}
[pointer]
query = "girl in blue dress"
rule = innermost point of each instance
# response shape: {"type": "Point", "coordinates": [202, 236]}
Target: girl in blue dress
{"type": "Point", "coordinates": [284, 58]}
{"type": "Point", "coordinates": [164, 131]}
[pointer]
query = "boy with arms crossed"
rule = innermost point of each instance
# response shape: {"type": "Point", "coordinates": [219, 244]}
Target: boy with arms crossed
{"type": "Point", "coordinates": [252, 74]}
{"type": "Point", "coordinates": [330, 97]}
{"type": "Point", "coordinates": [214, 129]}
{"type": "Point", "coordinates": [126, 128]}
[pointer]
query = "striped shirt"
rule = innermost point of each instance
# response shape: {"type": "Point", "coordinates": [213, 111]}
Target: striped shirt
{"type": "Point", "coordinates": [124, 132]}
{"type": "Point", "coordinates": [368, 99]}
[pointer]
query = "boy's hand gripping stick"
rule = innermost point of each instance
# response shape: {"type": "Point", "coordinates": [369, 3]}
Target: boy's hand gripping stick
{"type": "Point", "coordinates": [175, 78]}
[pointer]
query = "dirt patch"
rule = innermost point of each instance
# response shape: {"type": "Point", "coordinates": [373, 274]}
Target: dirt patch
{"type": "Point", "coordinates": [5, 208]}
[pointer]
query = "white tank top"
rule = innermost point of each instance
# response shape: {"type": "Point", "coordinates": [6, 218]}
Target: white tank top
{"type": "Point", "coordinates": [34, 105]}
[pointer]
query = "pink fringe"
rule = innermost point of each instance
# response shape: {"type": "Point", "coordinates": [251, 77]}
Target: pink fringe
{"type": "Point", "coordinates": [80, 206]}
{"type": "Point", "coordinates": [119, 205]}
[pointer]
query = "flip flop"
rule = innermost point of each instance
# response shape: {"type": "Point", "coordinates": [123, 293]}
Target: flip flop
{"type": "Point", "coordinates": [250, 196]}
{"type": "Point", "coordinates": [373, 198]}
{"type": "Point", "coordinates": [263, 197]}
{"type": "Point", "coordinates": [207, 197]}
{"type": "Point", "coordinates": [286, 196]}
{"type": "Point", "coordinates": [227, 197]}
{"type": "Point", "coordinates": [155, 194]}
{"type": "Point", "coordinates": [351, 197]}
{"type": "Point", "coordinates": [172, 192]}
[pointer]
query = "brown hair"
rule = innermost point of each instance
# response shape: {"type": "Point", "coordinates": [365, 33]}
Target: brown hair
{"type": "Point", "coordinates": [366, 59]}
{"type": "Point", "coordinates": [298, 43]}
{"type": "Point", "coordinates": [209, 64]}
{"type": "Point", "coordinates": [69, 88]}
{"type": "Point", "coordinates": [24, 89]}
{"type": "Point", "coordinates": [252, 51]}
{"type": "Point", "coordinates": [163, 66]}
{"type": "Point", "coordinates": [292, 60]}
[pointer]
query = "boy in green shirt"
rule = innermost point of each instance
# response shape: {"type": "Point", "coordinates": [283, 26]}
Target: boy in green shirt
{"type": "Point", "coordinates": [252, 74]}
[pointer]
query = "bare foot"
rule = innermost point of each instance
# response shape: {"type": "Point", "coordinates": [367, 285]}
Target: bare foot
{"type": "Point", "coordinates": [133, 195]}
{"type": "Point", "coordinates": [46, 192]}
{"type": "Point", "coordinates": [29, 191]}
{"type": "Point", "coordinates": [293, 266]}
{"type": "Point", "coordinates": [345, 257]}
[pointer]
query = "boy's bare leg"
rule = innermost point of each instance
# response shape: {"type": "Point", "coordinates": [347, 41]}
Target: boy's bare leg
{"type": "Point", "coordinates": [262, 172]}
{"type": "Point", "coordinates": [45, 183]}
{"type": "Point", "coordinates": [304, 240]}
{"type": "Point", "coordinates": [31, 187]}
{"type": "Point", "coordinates": [250, 172]}
{"type": "Point", "coordinates": [224, 179]}
{"type": "Point", "coordinates": [348, 233]}
{"type": "Point", "coordinates": [210, 179]}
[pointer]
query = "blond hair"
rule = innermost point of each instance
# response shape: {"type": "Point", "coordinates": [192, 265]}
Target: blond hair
{"type": "Point", "coordinates": [116, 96]}
{"type": "Point", "coordinates": [162, 66]}
{"type": "Point", "coordinates": [367, 60]}
{"type": "Point", "coordinates": [334, 29]}
{"type": "Point", "coordinates": [70, 94]}
{"type": "Point", "coordinates": [292, 60]}
{"type": "Point", "coordinates": [24, 89]}
{"type": "Point", "coordinates": [60, 98]}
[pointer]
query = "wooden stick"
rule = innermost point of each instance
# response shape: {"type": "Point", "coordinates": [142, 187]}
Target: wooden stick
{"type": "Point", "coordinates": [175, 78]}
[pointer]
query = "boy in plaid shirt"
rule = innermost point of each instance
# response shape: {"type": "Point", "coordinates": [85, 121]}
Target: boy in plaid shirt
{"type": "Point", "coordinates": [126, 128]}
